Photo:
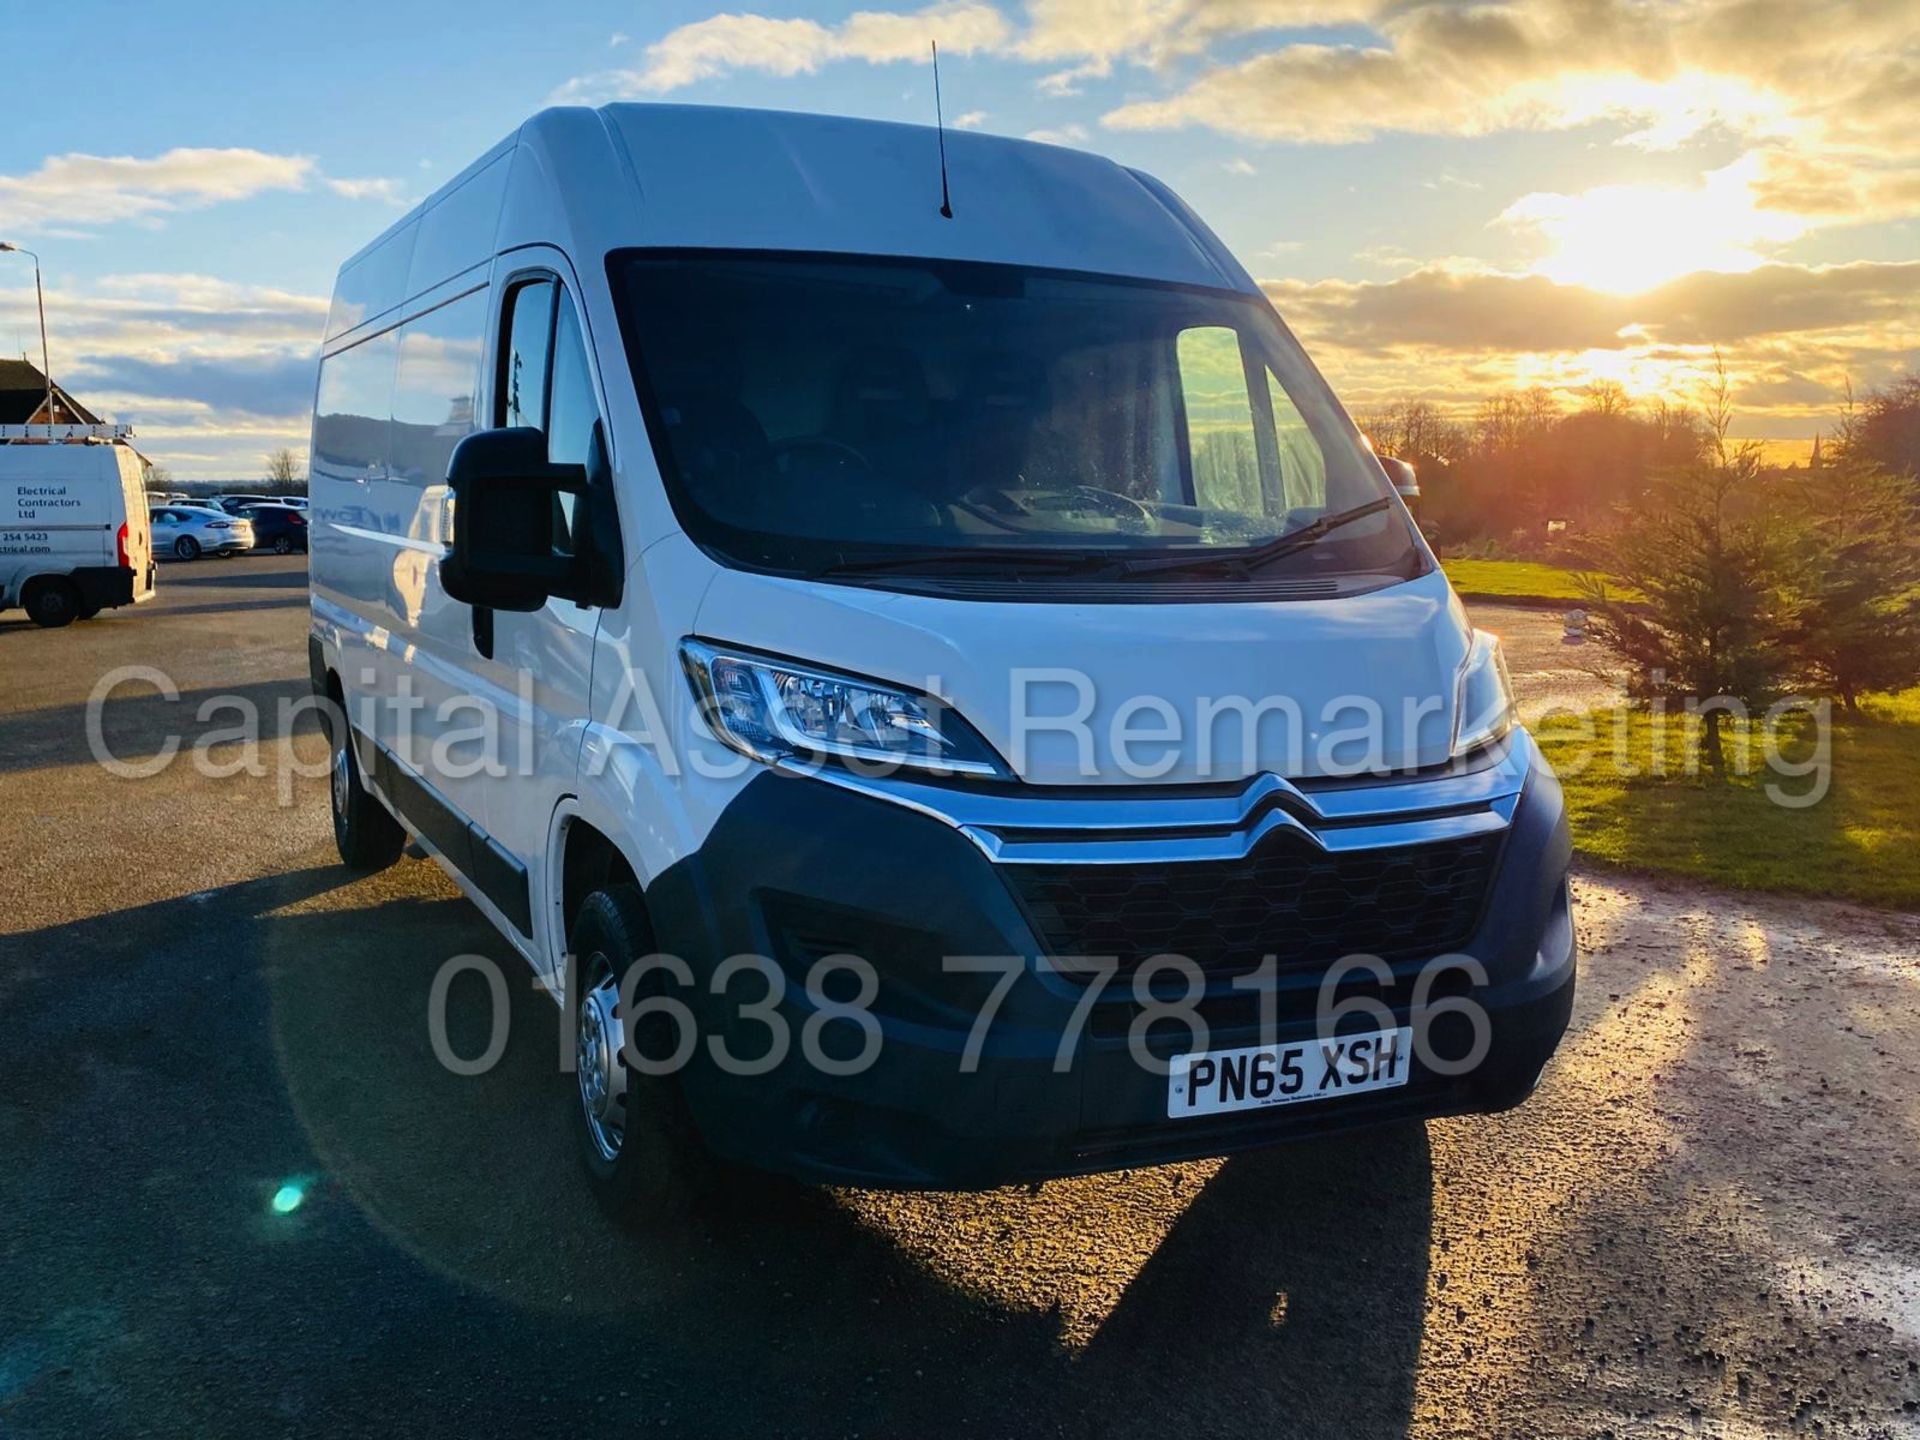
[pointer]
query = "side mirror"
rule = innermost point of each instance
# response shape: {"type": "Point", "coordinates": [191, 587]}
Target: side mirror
{"type": "Point", "coordinates": [504, 489]}
{"type": "Point", "coordinates": [1404, 480]}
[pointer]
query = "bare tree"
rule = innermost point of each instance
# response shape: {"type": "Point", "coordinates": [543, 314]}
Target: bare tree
{"type": "Point", "coordinates": [283, 469]}
{"type": "Point", "coordinates": [1608, 397]}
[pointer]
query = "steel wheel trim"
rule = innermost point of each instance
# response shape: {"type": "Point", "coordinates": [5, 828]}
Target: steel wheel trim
{"type": "Point", "coordinates": [599, 1060]}
{"type": "Point", "coordinates": [342, 777]}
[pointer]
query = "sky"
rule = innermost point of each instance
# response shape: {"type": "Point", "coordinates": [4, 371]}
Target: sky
{"type": "Point", "coordinates": [1444, 200]}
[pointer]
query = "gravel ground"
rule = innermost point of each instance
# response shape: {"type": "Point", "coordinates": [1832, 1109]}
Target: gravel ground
{"type": "Point", "coordinates": [1707, 1221]}
{"type": "Point", "coordinates": [1550, 672]}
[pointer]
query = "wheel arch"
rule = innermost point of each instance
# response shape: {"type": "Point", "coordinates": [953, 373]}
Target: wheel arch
{"type": "Point", "coordinates": [587, 850]}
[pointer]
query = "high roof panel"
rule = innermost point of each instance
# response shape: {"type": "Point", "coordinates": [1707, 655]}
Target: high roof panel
{"type": "Point", "coordinates": [758, 179]}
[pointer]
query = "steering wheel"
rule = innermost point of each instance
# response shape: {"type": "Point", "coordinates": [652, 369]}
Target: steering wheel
{"type": "Point", "coordinates": [822, 445]}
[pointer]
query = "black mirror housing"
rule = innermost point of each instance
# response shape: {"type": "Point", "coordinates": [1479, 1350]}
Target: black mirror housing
{"type": "Point", "coordinates": [504, 487]}
{"type": "Point", "coordinates": [1405, 482]}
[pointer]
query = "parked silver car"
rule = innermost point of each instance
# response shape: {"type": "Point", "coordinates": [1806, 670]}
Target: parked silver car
{"type": "Point", "coordinates": [186, 532]}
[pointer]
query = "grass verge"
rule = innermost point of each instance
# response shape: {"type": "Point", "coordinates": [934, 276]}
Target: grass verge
{"type": "Point", "coordinates": [1859, 840]}
{"type": "Point", "coordinates": [1511, 580]}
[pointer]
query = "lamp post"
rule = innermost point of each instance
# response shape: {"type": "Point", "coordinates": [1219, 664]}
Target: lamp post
{"type": "Point", "coordinates": [40, 299]}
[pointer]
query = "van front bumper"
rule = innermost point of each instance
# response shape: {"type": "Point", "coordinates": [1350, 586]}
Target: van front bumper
{"type": "Point", "coordinates": [798, 870]}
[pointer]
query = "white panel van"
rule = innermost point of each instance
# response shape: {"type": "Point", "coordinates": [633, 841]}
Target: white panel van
{"type": "Point", "coordinates": [74, 532]}
{"type": "Point", "coordinates": [940, 699]}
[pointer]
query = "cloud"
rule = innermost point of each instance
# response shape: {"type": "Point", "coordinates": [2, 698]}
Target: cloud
{"type": "Point", "coordinates": [1456, 308]}
{"type": "Point", "coordinates": [721, 44]}
{"type": "Point", "coordinates": [1751, 65]}
{"type": "Point", "coordinates": [392, 192]}
{"type": "Point", "coordinates": [271, 385]}
{"type": "Point", "coordinates": [971, 120]}
{"type": "Point", "coordinates": [74, 193]}
{"type": "Point", "coordinates": [99, 189]}
{"type": "Point", "coordinates": [1097, 33]}
{"type": "Point", "coordinates": [1063, 135]}
{"type": "Point", "coordinates": [1821, 93]}
{"type": "Point", "coordinates": [1792, 336]}
{"type": "Point", "coordinates": [201, 366]}
{"type": "Point", "coordinates": [1239, 165]}
{"type": "Point", "coordinates": [1633, 236]}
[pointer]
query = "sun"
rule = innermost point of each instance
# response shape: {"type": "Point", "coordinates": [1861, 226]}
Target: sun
{"type": "Point", "coordinates": [1628, 238]}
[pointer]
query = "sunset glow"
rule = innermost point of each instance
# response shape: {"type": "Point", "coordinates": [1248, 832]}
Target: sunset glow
{"type": "Point", "coordinates": [1624, 239]}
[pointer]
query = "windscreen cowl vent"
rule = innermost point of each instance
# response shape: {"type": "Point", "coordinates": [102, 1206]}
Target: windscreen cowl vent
{"type": "Point", "coordinates": [1122, 592]}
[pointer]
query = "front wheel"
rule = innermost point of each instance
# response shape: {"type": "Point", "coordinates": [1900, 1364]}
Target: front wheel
{"type": "Point", "coordinates": [366, 835]}
{"type": "Point", "coordinates": [187, 548]}
{"type": "Point", "coordinates": [638, 1144]}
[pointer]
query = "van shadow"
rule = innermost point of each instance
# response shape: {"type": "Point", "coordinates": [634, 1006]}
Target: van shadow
{"type": "Point", "coordinates": [1288, 1292]}
{"type": "Point", "coordinates": [137, 723]}
{"type": "Point", "coordinates": [232, 607]}
{"type": "Point", "coordinates": [243, 572]}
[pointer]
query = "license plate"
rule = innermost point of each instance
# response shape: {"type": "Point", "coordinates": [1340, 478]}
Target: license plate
{"type": "Point", "coordinates": [1217, 1081]}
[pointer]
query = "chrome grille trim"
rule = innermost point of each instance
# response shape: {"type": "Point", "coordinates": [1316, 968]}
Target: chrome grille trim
{"type": "Point", "coordinates": [1137, 827]}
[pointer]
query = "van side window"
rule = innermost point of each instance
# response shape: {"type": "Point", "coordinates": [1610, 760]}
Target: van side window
{"type": "Point", "coordinates": [433, 389]}
{"type": "Point", "coordinates": [1303, 465]}
{"type": "Point", "coordinates": [571, 408]}
{"type": "Point", "coordinates": [545, 382]}
{"type": "Point", "coordinates": [571, 413]}
{"type": "Point", "coordinates": [354, 411]}
{"type": "Point", "coordinates": [523, 359]}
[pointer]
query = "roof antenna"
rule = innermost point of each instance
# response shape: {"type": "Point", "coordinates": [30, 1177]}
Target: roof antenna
{"type": "Point", "coordinates": [940, 120]}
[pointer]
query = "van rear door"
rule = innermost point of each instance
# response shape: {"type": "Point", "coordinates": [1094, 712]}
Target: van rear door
{"type": "Point", "coordinates": [136, 546]}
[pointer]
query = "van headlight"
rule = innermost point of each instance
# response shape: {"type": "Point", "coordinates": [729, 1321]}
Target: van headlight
{"type": "Point", "coordinates": [778, 710]}
{"type": "Point", "coordinates": [1483, 703]}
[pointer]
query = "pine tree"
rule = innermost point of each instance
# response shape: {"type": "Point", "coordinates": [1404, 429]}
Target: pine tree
{"type": "Point", "coordinates": [1711, 559]}
{"type": "Point", "coordinates": [1858, 580]}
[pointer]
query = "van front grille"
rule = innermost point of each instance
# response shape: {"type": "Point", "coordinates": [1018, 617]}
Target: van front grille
{"type": "Point", "coordinates": [1305, 906]}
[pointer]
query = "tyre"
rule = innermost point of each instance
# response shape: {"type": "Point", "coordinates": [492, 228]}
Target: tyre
{"type": "Point", "coordinates": [282, 545]}
{"type": "Point", "coordinates": [187, 548]}
{"type": "Point", "coordinates": [87, 612]}
{"type": "Point", "coordinates": [51, 603]}
{"type": "Point", "coordinates": [367, 836]}
{"type": "Point", "coordinates": [642, 1154]}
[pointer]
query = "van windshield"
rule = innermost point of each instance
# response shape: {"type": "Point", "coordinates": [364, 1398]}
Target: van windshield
{"type": "Point", "coordinates": [834, 416]}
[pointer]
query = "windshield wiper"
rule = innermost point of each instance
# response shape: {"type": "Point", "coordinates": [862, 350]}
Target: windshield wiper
{"type": "Point", "coordinates": [1052, 562]}
{"type": "Point", "coordinates": [1244, 562]}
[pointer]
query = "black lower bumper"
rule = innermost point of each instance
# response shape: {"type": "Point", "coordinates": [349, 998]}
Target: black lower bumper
{"type": "Point", "coordinates": [103, 587]}
{"type": "Point", "coordinates": [799, 871]}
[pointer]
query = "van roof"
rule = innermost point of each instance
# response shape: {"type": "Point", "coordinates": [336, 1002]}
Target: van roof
{"type": "Point", "coordinates": [38, 463]}
{"type": "Point", "coordinates": [698, 176]}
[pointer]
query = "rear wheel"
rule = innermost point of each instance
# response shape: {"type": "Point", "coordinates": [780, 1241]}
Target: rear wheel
{"type": "Point", "coordinates": [282, 545]}
{"type": "Point", "coordinates": [51, 603]}
{"type": "Point", "coordinates": [642, 1154]}
{"type": "Point", "coordinates": [187, 548]}
{"type": "Point", "coordinates": [87, 612]}
{"type": "Point", "coordinates": [367, 836]}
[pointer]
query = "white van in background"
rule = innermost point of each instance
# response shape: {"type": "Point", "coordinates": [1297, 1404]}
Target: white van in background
{"type": "Point", "coordinates": [723, 551]}
{"type": "Point", "coordinates": [75, 537]}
